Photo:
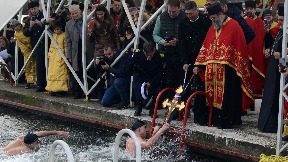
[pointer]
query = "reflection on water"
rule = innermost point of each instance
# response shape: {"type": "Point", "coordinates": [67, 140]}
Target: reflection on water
{"type": "Point", "coordinates": [89, 143]}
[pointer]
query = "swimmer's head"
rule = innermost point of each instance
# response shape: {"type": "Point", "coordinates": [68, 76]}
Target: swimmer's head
{"type": "Point", "coordinates": [30, 138]}
{"type": "Point", "coordinates": [32, 141]}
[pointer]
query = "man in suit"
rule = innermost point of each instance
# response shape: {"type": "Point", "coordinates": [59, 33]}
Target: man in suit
{"type": "Point", "coordinates": [73, 32]}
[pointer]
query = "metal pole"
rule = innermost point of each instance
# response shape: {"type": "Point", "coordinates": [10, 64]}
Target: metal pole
{"type": "Point", "coordinates": [16, 50]}
{"type": "Point", "coordinates": [117, 143]}
{"type": "Point", "coordinates": [84, 28]}
{"type": "Point", "coordinates": [5, 31]}
{"type": "Point", "coordinates": [108, 5]}
{"type": "Point", "coordinates": [129, 16]}
{"type": "Point", "coordinates": [46, 39]}
{"type": "Point", "coordinates": [282, 121]}
{"type": "Point", "coordinates": [65, 146]}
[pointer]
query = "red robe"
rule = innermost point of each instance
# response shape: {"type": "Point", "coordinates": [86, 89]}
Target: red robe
{"type": "Point", "coordinates": [226, 46]}
{"type": "Point", "coordinates": [259, 62]}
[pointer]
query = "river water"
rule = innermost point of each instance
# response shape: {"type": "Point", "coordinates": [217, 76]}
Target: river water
{"type": "Point", "coordinates": [89, 143]}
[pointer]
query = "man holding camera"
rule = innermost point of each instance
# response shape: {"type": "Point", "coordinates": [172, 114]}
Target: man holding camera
{"type": "Point", "coordinates": [165, 34]}
{"type": "Point", "coordinates": [34, 28]}
{"type": "Point", "coordinates": [117, 76]}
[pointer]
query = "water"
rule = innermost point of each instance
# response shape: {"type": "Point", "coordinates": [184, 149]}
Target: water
{"type": "Point", "coordinates": [89, 143]}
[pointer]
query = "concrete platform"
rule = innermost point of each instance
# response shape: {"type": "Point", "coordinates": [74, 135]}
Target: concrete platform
{"type": "Point", "coordinates": [244, 143]}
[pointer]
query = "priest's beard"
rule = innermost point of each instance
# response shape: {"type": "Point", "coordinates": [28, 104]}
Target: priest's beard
{"type": "Point", "coordinates": [250, 14]}
{"type": "Point", "coordinates": [217, 24]}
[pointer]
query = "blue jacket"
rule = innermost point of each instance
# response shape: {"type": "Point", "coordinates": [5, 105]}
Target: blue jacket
{"type": "Point", "coordinates": [119, 70]}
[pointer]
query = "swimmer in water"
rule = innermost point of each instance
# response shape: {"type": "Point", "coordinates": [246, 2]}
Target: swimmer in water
{"type": "Point", "coordinates": [30, 143]}
{"type": "Point", "coordinates": [139, 128]}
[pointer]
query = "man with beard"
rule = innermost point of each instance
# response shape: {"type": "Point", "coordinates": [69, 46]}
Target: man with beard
{"type": "Point", "coordinates": [259, 62]}
{"type": "Point", "coordinates": [224, 58]}
{"type": "Point", "coordinates": [231, 10]}
{"type": "Point", "coordinates": [268, 116]}
{"type": "Point", "coordinates": [30, 143]}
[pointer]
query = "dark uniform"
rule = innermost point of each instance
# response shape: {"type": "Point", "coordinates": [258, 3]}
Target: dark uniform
{"type": "Point", "coordinates": [148, 71]}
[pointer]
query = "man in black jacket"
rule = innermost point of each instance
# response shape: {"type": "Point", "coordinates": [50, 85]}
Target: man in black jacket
{"type": "Point", "coordinates": [231, 10]}
{"type": "Point", "coordinates": [147, 67]}
{"type": "Point", "coordinates": [192, 32]}
{"type": "Point", "coordinates": [34, 28]}
{"type": "Point", "coordinates": [118, 77]}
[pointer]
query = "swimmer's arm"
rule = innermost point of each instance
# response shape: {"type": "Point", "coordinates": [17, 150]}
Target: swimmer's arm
{"type": "Point", "coordinates": [153, 139]}
{"type": "Point", "coordinates": [49, 133]}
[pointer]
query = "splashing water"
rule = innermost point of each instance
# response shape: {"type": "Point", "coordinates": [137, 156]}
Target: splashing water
{"type": "Point", "coordinates": [88, 143]}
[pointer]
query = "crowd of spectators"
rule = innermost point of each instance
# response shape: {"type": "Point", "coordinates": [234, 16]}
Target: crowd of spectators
{"type": "Point", "coordinates": [185, 55]}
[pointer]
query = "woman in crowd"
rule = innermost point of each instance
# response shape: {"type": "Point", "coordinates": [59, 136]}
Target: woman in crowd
{"type": "Point", "coordinates": [104, 31]}
{"type": "Point", "coordinates": [57, 83]}
{"type": "Point", "coordinates": [4, 55]}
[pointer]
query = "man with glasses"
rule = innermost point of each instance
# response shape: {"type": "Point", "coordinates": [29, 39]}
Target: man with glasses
{"type": "Point", "coordinates": [223, 57]}
{"type": "Point", "coordinates": [30, 143]}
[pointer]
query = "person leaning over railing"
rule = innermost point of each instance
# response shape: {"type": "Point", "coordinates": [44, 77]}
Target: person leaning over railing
{"type": "Point", "coordinates": [26, 48]}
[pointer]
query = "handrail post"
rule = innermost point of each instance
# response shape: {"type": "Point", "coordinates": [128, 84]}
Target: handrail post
{"type": "Point", "coordinates": [65, 146]}
{"type": "Point", "coordinates": [117, 143]}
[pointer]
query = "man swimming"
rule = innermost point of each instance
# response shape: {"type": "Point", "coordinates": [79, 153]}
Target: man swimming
{"type": "Point", "coordinates": [30, 143]}
{"type": "Point", "coordinates": [139, 128]}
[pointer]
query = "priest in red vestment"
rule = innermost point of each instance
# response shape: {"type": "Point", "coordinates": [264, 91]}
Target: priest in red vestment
{"type": "Point", "coordinates": [224, 58]}
{"type": "Point", "coordinates": [259, 62]}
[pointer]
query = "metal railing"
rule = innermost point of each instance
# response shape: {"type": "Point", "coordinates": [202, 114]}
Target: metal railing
{"type": "Point", "coordinates": [117, 143]}
{"type": "Point", "coordinates": [46, 35]}
{"type": "Point", "coordinates": [65, 146]}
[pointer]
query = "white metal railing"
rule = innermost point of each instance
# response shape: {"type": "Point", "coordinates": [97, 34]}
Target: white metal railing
{"type": "Point", "coordinates": [282, 96]}
{"type": "Point", "coordinates": [65, 146]}
{"type": "Point", "coordinates": [117, 143]}
{"type": "Point", "coordinates": [46, 35]}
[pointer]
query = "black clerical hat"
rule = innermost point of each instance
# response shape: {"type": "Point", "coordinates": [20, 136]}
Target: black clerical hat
{"type": "Point", "coordinates": [214, 8]}
{"type": "Point", "coordinates": [236, 4]}
{"type": "Point", "coordinates": [251, 4]}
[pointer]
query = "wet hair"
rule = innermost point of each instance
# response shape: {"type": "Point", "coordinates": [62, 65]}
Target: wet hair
{"type": "Point", "coordinates": [148, 46]}
{"type": "Point", "coordinates": [30, 138]}
{"type": "Point", "coordinates": [137, 125]}
{"type": "Point", "coordinates": [174, 3]}
{"type": "Point", "coordinates": [191, 5]}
